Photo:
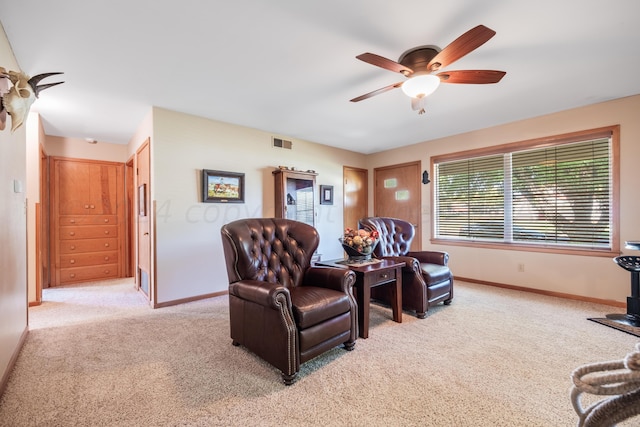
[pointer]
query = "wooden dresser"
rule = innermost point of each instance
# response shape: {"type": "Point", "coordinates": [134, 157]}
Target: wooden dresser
{"type": "Point", "coordinates": [87, 220]}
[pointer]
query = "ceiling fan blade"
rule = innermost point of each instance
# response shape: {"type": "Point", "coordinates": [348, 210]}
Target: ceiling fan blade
{"type": "Point", "coordinates": [466, 43]}
{"type": "Point", "coordinates": [377, 92]}
{"type": "Point", "coordinates": [471, 76]}
{"type": "Point", "coordinates": [385, 63]}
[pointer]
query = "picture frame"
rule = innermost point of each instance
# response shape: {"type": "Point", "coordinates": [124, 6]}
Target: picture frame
{"type": "Point", "coordinates": [222, 187]}
{"type": "Point", "coordinates": [326, 194]}
{"type": "Point", "coordinates": [142, 200]}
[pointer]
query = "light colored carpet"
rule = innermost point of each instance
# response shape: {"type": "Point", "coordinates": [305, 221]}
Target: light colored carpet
{"type": "Point", "coordinates": [96, 355]}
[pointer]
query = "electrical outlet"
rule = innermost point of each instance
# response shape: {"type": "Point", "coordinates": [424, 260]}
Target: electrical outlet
{"type": "Point", "coordinates": [521, 268]}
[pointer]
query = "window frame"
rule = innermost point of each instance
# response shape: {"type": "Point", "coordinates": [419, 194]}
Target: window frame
{"type": "Point", "coordinates": [612, 132]}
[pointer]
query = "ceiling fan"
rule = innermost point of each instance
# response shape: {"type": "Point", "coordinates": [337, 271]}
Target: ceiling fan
{"type": "Point", "coordinates": [419, 64]}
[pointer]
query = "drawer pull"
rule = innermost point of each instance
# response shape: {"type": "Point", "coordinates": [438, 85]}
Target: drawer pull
{"type": "Point", "coordinates": [93, 206]}
{"type": "Point", "coordinates": [106, 272]}
{"type": "Point", "coordinates": [73, 221]}
{"type": "Point", "coordinates": [106, 231]}
{"type": "Point", "coordinates": [384, 276]}
{"type": "Point", "coordinates": [106, 220]}
{"type": "Point", "coordinates": [106, 258]}
{"type": "Point", "coordinates": [72, 261]}
{"type": "Point", "coordinates": [72, 233]}
{"type": "Point", "coordinates": [72, 247]}
{"type": "Point", "coordinates": [106, 245]}
{"type": "Point", "coordinates": [72, 275]}
{"type": "Point", "coordinates": [86, 206]}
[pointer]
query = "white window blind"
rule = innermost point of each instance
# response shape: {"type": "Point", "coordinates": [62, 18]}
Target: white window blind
{"type": "Point", "coordinates": [470, 198]}
{"type": "Point", "coordinates": [556, 195]}
{"type": "Point", "coordinates": [304, 211]}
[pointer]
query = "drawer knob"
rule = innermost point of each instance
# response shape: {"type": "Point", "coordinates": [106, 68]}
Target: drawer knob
{"type": "Point", "coordinates": [93, 206]}
{"type": "Point", "coordinates": [72, 275]}
{"type": "Point", "coordinates": [86, 206]}
{"type": "Point", "coordinates": [106, 258]}
{"type": "Point", "coordinates": [73, 221]}
{"type": "Point", "coordinates": [106, 231]}
{"type": "Point", "coordinates": [106, 220]}
{"type": "Point", "coordinates": [384, 276]}
{"type": "Point", "coordinates": [72, 261]}
{"type": "Point", "coordinates": [72, 247]}
{"type": "Point", "coordinates": [72, 233]}
{"type": "Point", "coordinates": [106, 245]}
{"type": "Point", "coordinates": [106, 272]}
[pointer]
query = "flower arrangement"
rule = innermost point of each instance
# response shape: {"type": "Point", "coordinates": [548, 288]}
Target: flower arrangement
{"type": "Point", "coordinates": [362, 241]}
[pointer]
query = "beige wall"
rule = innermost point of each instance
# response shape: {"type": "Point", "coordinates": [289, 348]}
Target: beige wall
{"type": "Point", "coordinates": [594, 277]}
{"type": "Point", "coordinates": [189, 248]}
{"type": "Point", "coordinates": [13, 233]}
{"type": "Point", "coordinates": [80, 149]}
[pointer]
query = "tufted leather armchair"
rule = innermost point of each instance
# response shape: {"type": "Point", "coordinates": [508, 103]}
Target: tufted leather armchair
{"type": "Point", "coordinates": [281, 307]}
{"type": "Point", "coordinates": [426, 278]}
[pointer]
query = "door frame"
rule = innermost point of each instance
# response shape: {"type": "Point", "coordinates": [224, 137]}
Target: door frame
{"type": "Point", "coordinates": [416, 202]}
{"type": "Point", "coordinates": [365, 192]}
{"type": "Point", "coordinates": [150, 214]}
{"type": "Point", "coordinates": [130, 252]}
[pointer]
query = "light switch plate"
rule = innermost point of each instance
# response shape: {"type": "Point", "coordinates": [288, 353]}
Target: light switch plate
{"type": "Point", "coordinates": [17, 186]}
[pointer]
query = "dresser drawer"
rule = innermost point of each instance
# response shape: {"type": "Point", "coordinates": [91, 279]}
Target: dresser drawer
{"type": "Point", "coordinates": [88, 232]}
{"type": "Point", "coordinates": [78, 274]}
{"type": "Point", "coordinates": [86, 259]}
{"type": "Point", "coordinates": [87, 245]}
{"type": "Point", "coordinates": [88, 220]}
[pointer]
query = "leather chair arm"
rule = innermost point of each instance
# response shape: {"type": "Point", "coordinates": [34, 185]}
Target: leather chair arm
{"type": "Point", "coordinates": [430, 257]}
{"type": "Point", "coordinates": [339, 279]}
{"type": "Point", "coordinates": [259, 292]}
{"type": "Point", "coordinates": [410, 263]}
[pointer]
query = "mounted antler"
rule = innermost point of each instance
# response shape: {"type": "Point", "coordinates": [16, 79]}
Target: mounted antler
{"type": "Point", "coordinates": [17, 101]}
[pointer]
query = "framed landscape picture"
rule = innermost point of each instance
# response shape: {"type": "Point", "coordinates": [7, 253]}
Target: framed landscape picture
{"type": "Point", "coordinates": [222, 187]}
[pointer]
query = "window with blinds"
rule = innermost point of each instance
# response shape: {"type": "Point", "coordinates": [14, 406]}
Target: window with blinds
{"type": "Point", "coordinates": [304, 205]}
{"type": "Point", "coordinates": [555, 192]}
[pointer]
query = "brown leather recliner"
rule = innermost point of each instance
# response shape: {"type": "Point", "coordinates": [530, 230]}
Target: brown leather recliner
{"type": "Point", "coordinates": [426, 278]}
{"type": "Point", "coordinates": [281, 307]}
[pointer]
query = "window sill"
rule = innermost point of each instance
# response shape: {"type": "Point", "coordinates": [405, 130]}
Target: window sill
{"type": "Point", "coordinates": [564, 250]}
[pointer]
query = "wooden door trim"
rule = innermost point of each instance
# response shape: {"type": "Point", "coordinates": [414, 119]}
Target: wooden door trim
{"type": "Point", "coordinates": [39, 236]}
{"type": "Point", "coordinates": [129, 180]}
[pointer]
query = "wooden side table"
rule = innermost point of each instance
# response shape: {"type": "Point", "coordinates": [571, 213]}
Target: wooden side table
{"type": "Point", "coordinates": [385, 272]}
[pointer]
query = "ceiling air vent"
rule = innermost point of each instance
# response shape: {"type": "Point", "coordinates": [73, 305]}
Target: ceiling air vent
{"type": "Point", "coordinates": [281, 143]}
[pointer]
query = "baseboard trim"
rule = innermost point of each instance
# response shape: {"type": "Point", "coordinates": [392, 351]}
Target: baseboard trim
{"type": "Point", "coordinates": [190, 299]}
{"type": "Point", "coordinates": [543, 292]}
{"type": "Point", "coordinates": [12, 361]}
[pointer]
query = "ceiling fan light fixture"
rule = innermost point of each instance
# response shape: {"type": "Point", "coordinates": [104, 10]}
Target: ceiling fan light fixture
{"type": "Point", "coordinates": [421, 85]}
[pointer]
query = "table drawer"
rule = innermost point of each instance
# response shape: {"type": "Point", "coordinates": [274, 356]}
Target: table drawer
{"type": "Point", "coordinates": [88, 245]}
{"type": "Point", "coordinates": [78, 274]}
{"type": "Point", "coordinates": [384, 276]}
{"type": "Point", "coordinates": [83, 232]}
{"type": "Point", "coordinates": [88, 220]}
{"type": "Point", "coordinates": [86, 259]}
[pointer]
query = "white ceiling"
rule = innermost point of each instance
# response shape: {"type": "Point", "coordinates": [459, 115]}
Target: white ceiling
{"type": "Point", "coordinates": [288, 67]}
